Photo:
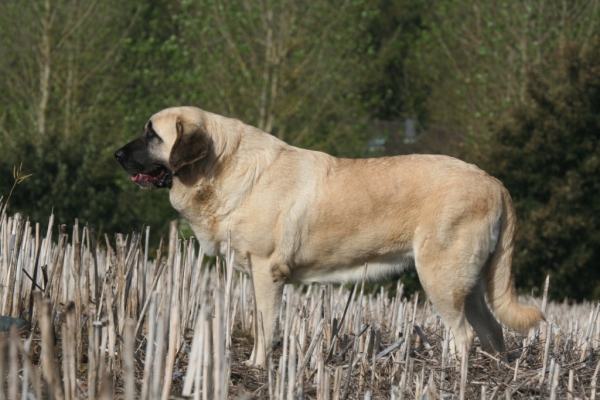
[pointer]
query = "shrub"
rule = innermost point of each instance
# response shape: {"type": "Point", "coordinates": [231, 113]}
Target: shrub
{"type": "Point", "coordinates": [548, 156]}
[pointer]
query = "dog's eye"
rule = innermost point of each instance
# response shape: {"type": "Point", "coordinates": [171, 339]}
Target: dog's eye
{"type": "Point", "coordinates": [150, 134]}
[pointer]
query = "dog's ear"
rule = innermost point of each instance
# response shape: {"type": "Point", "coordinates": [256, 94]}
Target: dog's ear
{"type": "Point", "coordinates": [191, 146]}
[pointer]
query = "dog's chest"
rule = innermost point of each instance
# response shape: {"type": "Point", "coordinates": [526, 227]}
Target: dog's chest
{"type": "Point", "coordinates": [210, 244]}
{"type": "Point", "coordinates": [197, 206]}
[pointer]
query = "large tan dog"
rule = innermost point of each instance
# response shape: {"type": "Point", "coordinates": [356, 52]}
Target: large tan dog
{"type": "Point", "coordinates": [304, 216]}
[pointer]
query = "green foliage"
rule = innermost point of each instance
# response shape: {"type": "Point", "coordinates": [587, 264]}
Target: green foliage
{"type": "Point", "coordinates": [474, 56]}
{"type": "Point", "coordinates": [79, 180]}
{"type": "Point", "coordinates": [390, 91]}
{"type": "Point", "coordinates": [548, 156]}
{"type": "Point", "coordinates": [58, 114]}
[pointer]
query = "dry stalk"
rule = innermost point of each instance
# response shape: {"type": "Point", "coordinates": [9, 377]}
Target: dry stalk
{"type": "Point", "coordinates": [92, 295]}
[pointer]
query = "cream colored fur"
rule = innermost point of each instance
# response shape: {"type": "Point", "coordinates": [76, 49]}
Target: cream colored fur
{"type": "Point", "coordinates": [300, 216]}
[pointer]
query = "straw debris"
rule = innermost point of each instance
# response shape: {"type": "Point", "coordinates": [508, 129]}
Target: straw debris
{"type": "Point", "coordinates": [109, 322]}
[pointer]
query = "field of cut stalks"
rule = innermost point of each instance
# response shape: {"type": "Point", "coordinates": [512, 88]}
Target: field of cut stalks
{"type": "Point", "coordinates": [108, 321]}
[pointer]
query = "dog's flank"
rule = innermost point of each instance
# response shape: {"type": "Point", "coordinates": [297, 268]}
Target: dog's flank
{"type": "Point", "coordinates": [304, 216]}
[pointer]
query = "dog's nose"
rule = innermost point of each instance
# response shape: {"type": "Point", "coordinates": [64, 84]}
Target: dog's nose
{"type": "Point", "coordinates": [119, 154]}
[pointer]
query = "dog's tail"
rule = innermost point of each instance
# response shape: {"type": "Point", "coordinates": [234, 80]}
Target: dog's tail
{"type": "Point", "coordinates": [500, 279]}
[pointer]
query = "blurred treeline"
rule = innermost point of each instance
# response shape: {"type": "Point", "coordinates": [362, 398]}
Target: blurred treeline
{"type": "Point", "coordinates": [512, 86]}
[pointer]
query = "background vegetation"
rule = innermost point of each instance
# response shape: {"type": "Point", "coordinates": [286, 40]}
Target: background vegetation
{"type": "Point", "coordinates": [512, 86]}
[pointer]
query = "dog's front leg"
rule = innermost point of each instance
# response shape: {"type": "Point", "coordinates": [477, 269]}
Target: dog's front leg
{"type": "Point", "coordinates": [268, 290]}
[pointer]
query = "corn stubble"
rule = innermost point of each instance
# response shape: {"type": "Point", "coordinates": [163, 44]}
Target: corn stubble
{"type": "Point", "coordinates": [108, 322]}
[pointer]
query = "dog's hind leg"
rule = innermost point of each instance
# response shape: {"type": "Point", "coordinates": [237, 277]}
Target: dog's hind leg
{"type": "Point", "coordinates": [449, 271]}
{"type": "Point", "coordinates": [438, 278]}
{"type": "Point", "coordinates": [268, 291]}
{"type": "Point", "coordinates": [483, 321]}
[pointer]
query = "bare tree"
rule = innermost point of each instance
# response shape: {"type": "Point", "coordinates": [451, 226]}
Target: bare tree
{"type": "Point", "coordinates": [56, 55]}
{"type": "Point", "coordinates": [476, 55]}
{"type": "Point", "coordinates": [284, 65]}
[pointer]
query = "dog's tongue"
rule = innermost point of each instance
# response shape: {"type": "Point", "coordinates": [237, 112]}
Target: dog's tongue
{"type": "Point", "coordinates": [141, 177]}
{"type": "Point", "coordinates": [149, 177]}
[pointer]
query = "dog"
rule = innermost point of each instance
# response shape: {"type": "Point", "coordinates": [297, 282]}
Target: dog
{"type": "Point", "coordinates": [301, 216]}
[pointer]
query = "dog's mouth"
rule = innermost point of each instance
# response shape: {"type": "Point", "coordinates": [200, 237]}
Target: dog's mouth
{"type": "Point", "coordinates": [159, 177]}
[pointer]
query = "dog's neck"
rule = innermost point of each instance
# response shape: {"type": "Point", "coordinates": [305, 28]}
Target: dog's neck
{"type": "Point", "coordinates": [209, 191]}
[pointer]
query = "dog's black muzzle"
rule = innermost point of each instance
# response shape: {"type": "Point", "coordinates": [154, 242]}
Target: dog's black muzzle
{"type": "Point", "coordinates": [145, 171]}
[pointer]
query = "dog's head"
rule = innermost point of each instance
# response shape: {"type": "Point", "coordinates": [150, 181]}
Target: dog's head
{"type": "Point", "coordinates": [173, 139]}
